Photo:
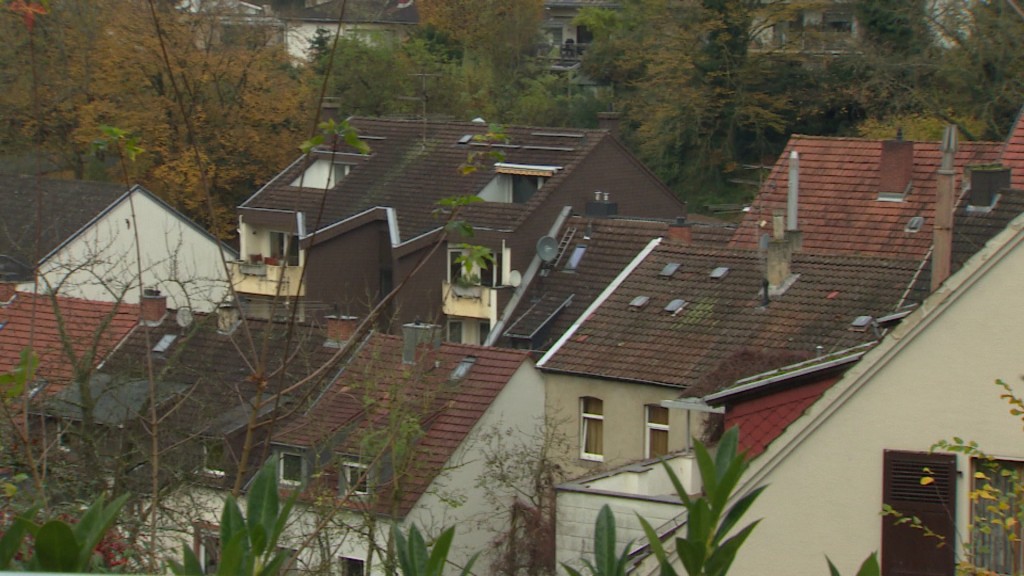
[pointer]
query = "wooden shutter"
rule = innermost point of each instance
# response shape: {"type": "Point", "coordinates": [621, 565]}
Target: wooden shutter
{"type": "Point", "coordinates": [907, 551]}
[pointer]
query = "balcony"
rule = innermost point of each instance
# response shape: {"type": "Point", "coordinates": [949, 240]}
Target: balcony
{"type": "Point", "coordinates": [262, 278]}
{"type": "Point", "coordinates": [470, 301]}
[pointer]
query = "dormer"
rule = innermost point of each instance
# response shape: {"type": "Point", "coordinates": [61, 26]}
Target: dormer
{"type": "Point", "coordinates": [516, 183]}
{"type": "Point", "coordinates": [323, 173]}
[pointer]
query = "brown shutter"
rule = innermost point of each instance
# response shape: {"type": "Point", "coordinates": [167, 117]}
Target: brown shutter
{"type": "Point", "coordinates": [907, 551]}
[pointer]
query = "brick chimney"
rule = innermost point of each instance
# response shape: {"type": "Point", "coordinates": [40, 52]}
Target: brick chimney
{"type": "Point", "coordinates": [779, 260]}
{"type": "Point", "coordinates": [340, 330]}
{"type": "Point", "coordinates": [417, 337]}
{"type": "Point", "coordinates": [153, 307]}
{"type": "Point", "coordinates": [896, 166]}
{"type": "Point", "coordinates": [680, 230]}
{"type": "Point", "coordinates": [7, 291]}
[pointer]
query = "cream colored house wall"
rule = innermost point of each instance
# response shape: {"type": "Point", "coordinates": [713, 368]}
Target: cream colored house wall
{"type": "Point", "coordinates": [624, 419]}
{"type": "Point", "coordinates": [931, 379]}
{"type": "Point", "coordinates": [101, 264]}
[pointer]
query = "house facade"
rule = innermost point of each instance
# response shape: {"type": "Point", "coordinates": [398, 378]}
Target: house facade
{"type": "Point", "coordinates": [343, 227]}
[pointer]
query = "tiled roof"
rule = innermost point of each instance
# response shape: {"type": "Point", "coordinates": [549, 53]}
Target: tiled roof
{"type": "Point", "coordinates": [610, 246]}
{"type": "Point", "coordinates": [763, 419]}
{"type": "Point", "coordinates": [723, 316]}
{"type": "Point", "coordinates": [220, 366]}
{"type": "Point", "coordinates": [414, 164]}
{"type": "Point", "coordinates": [376, 386]}
{"type": "Point", "coordinates": [68, 205]}
{"type": "Point", "coordinates": [51, 324]}
{"type": "Point", "coordinates": [840, 212]}
{"type": "Point", "coordinates": [1012, 154]}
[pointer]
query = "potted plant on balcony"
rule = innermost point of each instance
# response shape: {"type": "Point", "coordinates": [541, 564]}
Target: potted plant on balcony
{"type": "Point", "coordinates": [467, 285]}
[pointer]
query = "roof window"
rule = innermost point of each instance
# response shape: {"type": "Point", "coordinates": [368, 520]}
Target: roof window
{"type": "Point", "coordinates": [861, 323]}
{"type": "Point", "coordinates": [639, 302]}
{"type": "Point", "coordinates": [463, 368]}
{"type": "Point", "coordinates": [914, 224]}
{"type": "Point", "coordinates": [574, 259]}
{"type": "Point", "coordinates": [719, 272]}
{"type": "Point", "coordinates": [165, 343]}
{"type": "Point", "coordinates": [675, 306]}
{"type": "Point", "coordinates": [669, 269]}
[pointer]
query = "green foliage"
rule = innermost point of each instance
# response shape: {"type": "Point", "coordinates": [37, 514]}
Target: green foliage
{"type": "Point", "coordinates": [606, 561]}
{"type": "Point", "coordinates": [249, 546]}
{"type": "Point", "coordinates": [13, 383]}
{"type": "Point", "coordinates": [415, 558]}
{"type": "Point", "coordinates": [869, 567]}
{"type": "Point", "coordinates": [708, 549]}
{"type": "Point", "coordinates": [58, 546]}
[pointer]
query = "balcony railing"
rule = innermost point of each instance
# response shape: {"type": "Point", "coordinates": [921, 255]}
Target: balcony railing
{"type": "Point", "coordinates": [469, 301]}
{"type": "Point", "coordinates": [261, 278]}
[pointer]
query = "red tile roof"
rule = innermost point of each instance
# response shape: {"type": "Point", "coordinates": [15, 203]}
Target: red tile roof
{"type": "Point", "coordinates": [724, 316]}
{"type": "Point", "coordinates": [376, 387]}
{"type": "Point", "coordinates": [64, 332]}
{"type": "Point", "coordinates": [1012, 154]}
{"type": "Point", "coordinates": [763, 419]}
{"type": "Point", "coordinates": [840, 181]}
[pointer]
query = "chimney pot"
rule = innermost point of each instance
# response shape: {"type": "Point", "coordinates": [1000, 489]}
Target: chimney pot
{"type": "Point", "coordinates": [153, 307]}
{"type": "Point", "coordinates": [416, 337]}
{"type": "Point", "coordinates": [340, 329]}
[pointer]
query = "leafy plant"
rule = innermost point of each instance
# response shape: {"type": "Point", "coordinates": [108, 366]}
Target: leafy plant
{"type": "Point", "coordinates": [869, 567]}
{"type": "Point", "coordinates": [249, 545]}
{"type": "Point", "coordinates": [57, 545]}
{"type": "Point", "coordinates": [707, 549]}
{"type": "Point", "coordinates": [606, 562]}
{"type": "Point", "coordinates": [415, 559]}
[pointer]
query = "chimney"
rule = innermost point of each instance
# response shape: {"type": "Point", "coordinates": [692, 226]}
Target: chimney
{"type": "Point", "coordinates": [793, 234]}
{"type": "Point", "coordinates": [986, 182]}
{"type": "Point", "coordinates": [680, 230]}
{"type": "Point", "coordinates": [330, 109]}
{"type": "Point", "coordinates": [895, 167]}
{"type": "Point", "coordinates": [228, 318]}
{"type": "Point", "coordinates": [7, 291]}
{"type": "Point", "coordinates": [340, 330]}
{"type": "Point", "coordinates": [600, 206]}
{"type": "Point", "coordinates": [153, 307]}
{"type": "Point", "coordinates": [942, 249]}
{"type": "Point", "coordinates": [608, 121]}
{"type": "Point", "coordinates": [417, 336]}
{"type": "Point", "coordinates": [780, 256]}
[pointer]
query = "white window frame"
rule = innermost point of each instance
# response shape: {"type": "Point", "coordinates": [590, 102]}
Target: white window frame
{"type": "Point", "coordinates": [343, 562]}
{"type": "Point", "coordinates": [280, 469]}
{"type": "Point", "coordinates": [585, 419]}
{"type": "Point", "coordinates": [352, 469]}
{"type": "Point", "coordinates": [652, 426]}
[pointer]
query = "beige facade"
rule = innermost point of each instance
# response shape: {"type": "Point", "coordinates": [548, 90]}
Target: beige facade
{"type": "Point", "coordinates": [624, 432]}
{"type": "Point", "coordinates": [931, 379]}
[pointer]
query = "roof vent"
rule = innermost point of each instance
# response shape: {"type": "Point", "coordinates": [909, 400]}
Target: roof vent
{"type": "Point", "coordinates": [462, 369]}
{"type": "Point", "coordinates": [914, 224]}
{"type": "Point", "coordinates": [669, 269]}
{"type": "Point", "coordinates": [720, 272]}
{"type": "Point", "coordinates": [861, 323]}
{"type": "Point", "coordinates": [639, 302]}
{"type": "Point", "coordinates": [675, 306]}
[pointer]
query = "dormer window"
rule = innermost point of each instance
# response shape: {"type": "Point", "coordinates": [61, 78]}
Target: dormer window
{"type": "Point", "coordinates": [516, 183]}
{"type": "Point", "coordinates": [355, 479]}
{"type": "Point", "coordinates": [323, 173]}
{"type": "Point", "coordinates": [291, 468]}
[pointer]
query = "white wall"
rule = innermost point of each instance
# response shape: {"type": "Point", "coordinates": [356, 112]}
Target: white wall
{"type": "Point", "coordinates": [101, 264]}
{"type": "Point", "coordinates": [825, 497]}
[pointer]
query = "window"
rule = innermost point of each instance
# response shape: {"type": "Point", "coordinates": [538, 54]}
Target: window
{"type": "Point", "coordinates": [455, 331]}
{"type": "Point", "coordinates": [356, 479]}
{"type": "Point", "coordinates": [291, 468]}
{"type": "Point", "coordinates": [213, 457]}
{"type": "Point", "coordinates": [996, 497]}
{"type": "Point", "coordinates": [574, 259]}
{"type": "Point", "coordinates": [905, 549]}
{"type": "Point", "coordinates": [285, 246]}
{"type": "Point", "coordinates": [591, 433]}
{"type": "Point", "coordinates": [207, 546]}
{"type": "Point", "coordinates": [657, 431]}
{"type": "Point", "coordinates": [352, 566]}
{"type": "Point", "coordinates": [454, 264]}
{"type": "Point", "coordinates": [485, 330]}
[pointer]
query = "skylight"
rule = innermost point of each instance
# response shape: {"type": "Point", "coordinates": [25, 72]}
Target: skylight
{"type": "Point", "coordinates": [720, 272]}
{"type": "Point", "coordinates": [669, 269]}
{"type": "Point", "coordinates": [915, 224]}
{"type": "Point", "coordinates": [463, 368]}
{"type": "Point", "coordinates": [861, 323]}
{"type": "Point", "coordinates": [165, 342]}
{"type": "Point", "coordinates": [574, 259]}
{"type": "Point", "coordinates": [675, 306]}
{"type": "Point", "coordinates": [639, 302]}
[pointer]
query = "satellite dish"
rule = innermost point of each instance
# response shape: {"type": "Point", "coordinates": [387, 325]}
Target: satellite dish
{"type": "Point", "coordinates": [515, 278]}
{"type": "Point", "coordinates": [184, 317]}
{"type": "Point", "coordinates": [547, 248]}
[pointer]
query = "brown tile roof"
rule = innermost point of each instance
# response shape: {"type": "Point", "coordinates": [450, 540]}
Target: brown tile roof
{"type": "Point", "coordinates": [724, 316]}
{"type": "Point", "coordinates": [55, 324]}
{"type": "Point", "coordinates": [1012, 154]}
{"type": "Point", "coordinates": [68, 205]}
{"type": "Point", "coordinates": [376, 386]}
{"type": "Point", "coordinates": [414, 164]}
{"type": "Point", "coordinates": [840, 212]}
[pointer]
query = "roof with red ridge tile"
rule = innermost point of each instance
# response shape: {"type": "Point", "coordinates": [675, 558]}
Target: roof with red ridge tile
{"type": "Point", "coordinates": [1012, 154]}
{"type": "Point", "coordinates": [376, 385]}
{"type": "Point", "coordinates": [55, 325]}
{"type": "Point", "coordinates": [840, 211]}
